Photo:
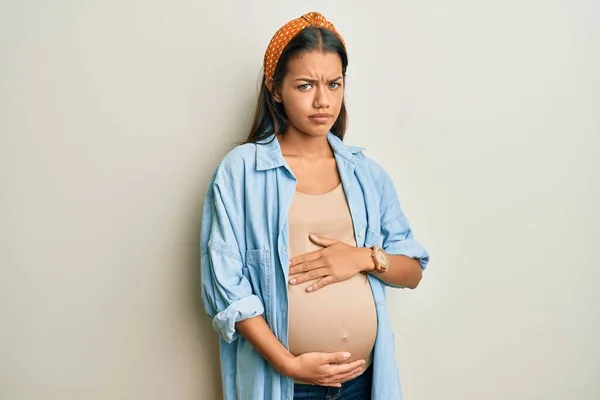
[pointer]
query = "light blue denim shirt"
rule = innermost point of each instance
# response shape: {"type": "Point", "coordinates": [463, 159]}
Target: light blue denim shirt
{"type": "Point", "coordinates": [244, 243]}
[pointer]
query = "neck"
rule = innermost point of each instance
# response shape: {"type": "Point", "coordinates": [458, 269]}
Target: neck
{"type": "Point", "coordinates": [295, 143]}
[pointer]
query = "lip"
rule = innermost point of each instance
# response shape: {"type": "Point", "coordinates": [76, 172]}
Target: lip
{"type": "Point", "coordinates": [320, 118]}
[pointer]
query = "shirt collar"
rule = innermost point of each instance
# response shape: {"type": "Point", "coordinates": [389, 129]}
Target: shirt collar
{"type": "Point", "coordinates": [269, 156]}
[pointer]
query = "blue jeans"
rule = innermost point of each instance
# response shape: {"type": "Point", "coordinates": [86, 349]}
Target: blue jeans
{"type": "Point", "coordinates": [358, 388]}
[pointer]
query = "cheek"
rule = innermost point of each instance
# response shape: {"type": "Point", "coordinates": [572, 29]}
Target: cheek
{"type": "Point", "coordinates": [296, 106]}
{"type": "Point", "coordinates": [339, 98]}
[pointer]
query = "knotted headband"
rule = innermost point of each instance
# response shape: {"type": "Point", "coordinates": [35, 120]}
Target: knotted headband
{"type": "Point", "coordinates": [287, 32]}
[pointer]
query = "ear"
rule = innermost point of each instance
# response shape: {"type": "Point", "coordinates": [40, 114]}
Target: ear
{"type": "Point", "coordinates": [269, 82]}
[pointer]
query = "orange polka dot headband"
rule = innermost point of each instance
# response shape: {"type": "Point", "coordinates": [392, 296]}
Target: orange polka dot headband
{"type": "Point", "coordinates": [287, 32]}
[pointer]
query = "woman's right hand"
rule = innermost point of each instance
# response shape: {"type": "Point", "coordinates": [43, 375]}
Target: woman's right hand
{"type": "Point", "coordinates": [323, 369]}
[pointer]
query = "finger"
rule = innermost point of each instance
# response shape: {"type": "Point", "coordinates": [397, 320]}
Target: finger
{"type": "Point", "coordinates": [322, 241]}
{"type": "Point", "coordinates": [313, 255]}
{"type": "Point", "coordinates": [310, 276]}
{"type": "Point", "coordinates": [346, 377]}
{"type": "Point", "coordinates": [335, 358]}
{"type": "Point", "coordinates": [328, 280]}
{"type": "Point", "coordinates": [306, 266]}
{"type": "Point", "coordinates": [339, 369]}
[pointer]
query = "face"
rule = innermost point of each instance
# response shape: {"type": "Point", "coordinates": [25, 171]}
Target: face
{"type": "Point", "coordinates": [312, 92]}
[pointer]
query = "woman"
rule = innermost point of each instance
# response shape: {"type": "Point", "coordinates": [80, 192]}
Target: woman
{"type": "Point", "coordinates": [300, 235]}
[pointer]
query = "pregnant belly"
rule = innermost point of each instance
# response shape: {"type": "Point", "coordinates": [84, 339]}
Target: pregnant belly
{"type": "Point", "coordinates": [338, 317]}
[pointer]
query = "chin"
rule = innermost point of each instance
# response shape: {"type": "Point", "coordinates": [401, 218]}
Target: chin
{"type": "Point", "coordinates": [318, 131]}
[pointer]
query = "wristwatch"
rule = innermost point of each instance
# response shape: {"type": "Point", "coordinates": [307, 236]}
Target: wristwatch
{"type": "Point", "coordinates": [380, 259]}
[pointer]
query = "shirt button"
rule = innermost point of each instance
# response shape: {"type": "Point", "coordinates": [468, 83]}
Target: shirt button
{"type": "Point", "coordinates": [283, 248]}
{"type": "Point", "coordinates": [360, 234]}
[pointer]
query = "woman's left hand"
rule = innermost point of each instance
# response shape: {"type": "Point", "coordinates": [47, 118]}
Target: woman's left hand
{"type": "Point", "coordinates": [335, 262]}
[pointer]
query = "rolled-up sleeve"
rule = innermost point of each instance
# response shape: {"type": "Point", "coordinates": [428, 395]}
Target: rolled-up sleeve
{"type": "Point", "coordinates": [226, 292]}
{"type": "Point", "coordinates": [398, 237]}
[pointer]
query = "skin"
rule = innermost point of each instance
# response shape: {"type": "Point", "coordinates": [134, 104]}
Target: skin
{"type": "Point", "coordinates": [314, 85]}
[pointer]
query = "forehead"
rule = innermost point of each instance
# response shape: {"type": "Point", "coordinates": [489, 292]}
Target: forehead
{"type": "Point", "coordinates": [315, 63]}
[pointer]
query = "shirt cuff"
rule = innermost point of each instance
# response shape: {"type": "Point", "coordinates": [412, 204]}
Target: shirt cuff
{"type": "Point", "coordinates": [239, 310]}
{"type": "Point", "coordinates": [409, 248]}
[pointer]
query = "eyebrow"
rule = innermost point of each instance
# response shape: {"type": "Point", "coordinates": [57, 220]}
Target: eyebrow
{"type": "Point", "coordinates": [316, 80]}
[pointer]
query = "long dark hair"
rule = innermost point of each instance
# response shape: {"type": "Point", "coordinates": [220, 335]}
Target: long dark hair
{"type": "Point", "coordinates": [269, 116]}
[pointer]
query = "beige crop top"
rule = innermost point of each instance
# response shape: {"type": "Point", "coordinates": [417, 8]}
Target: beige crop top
{"type": "Point", "coordinates": [340, 316]}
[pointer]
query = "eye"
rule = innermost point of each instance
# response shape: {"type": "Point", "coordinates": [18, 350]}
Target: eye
{"type": "Point", "coordinates": [305, 87]}
{"type": "Point", "coordinates": [334, 85]}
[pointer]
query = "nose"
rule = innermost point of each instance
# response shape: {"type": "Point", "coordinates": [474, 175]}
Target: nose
{"type": "Point", "coordinates": [321, 99]}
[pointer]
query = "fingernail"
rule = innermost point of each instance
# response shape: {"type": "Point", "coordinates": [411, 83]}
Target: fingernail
{"type": "Point", "coordinates": [346, 356]}
{"type": "Point", "coordinates": [309, 289]}
{"type": "Point", "coordinates": [293, 281]}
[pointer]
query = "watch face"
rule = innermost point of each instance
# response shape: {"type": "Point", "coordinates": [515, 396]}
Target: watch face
{"type": "Point", "coordinates": [383, 258]}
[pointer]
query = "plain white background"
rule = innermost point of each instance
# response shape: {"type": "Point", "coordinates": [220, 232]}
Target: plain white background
{"type": "Point", "coordinates": [113, 115]}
